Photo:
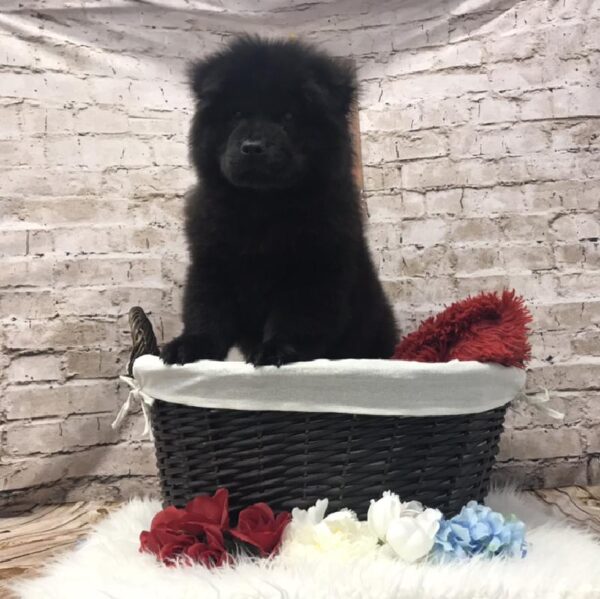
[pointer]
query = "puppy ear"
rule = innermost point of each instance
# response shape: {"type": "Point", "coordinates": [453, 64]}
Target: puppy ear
{"type": "Point", "coordinates": [334, 84]}
{"type": "Point", "coordinates": [203, 79]}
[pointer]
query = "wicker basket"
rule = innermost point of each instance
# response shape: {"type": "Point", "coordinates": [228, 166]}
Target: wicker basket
{"type": "Point", "coordinates": [291, 459]}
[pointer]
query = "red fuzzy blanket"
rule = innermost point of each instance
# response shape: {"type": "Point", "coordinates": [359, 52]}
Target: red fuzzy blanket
{"type": "Point", "coordinates": [489, 327]}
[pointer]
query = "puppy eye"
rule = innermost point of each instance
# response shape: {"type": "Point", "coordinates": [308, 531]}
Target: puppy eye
{"type": "Point", "coordinates": [237, 115]}
{"type": "Point", "coordinates": [288, 116]}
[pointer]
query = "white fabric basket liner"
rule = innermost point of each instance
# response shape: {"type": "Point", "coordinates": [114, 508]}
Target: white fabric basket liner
{"type": "Point", "coordinates": [378, 387]}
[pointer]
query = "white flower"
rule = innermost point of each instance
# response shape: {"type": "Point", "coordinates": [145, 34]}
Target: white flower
{"type": "Point", "coordinates": [340, 533]}
{"type": "Point", "coordinates": [313, 515]}
{"type": "Point", "coordinates": [387, 509]}
{"type": "Point", "coordinates": [412, 537]}
{"type": "Point", "coordinates": [303, 522]}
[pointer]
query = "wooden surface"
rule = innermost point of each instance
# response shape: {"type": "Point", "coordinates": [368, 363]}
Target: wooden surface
{"type": "Point", "coordinates": [29, 540]}
{"type": "Point", "coordinates": [581, 505]}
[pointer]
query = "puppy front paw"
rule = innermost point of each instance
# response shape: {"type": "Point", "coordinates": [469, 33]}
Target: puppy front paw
{"type": "Point", "coordinates": [274, 353]}
{"type": "Point", "coordinates": [189, 348]}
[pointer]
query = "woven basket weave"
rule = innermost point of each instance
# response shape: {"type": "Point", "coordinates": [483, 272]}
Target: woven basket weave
{"type": "Point", "coordinates": [291, 459]}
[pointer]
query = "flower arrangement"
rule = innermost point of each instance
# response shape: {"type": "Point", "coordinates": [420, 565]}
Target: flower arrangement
{"type": "Point", "coordinates": [406, 531]}
{"type": "Point", "coordinates": [201, 532]}
{"type": "Point", "coordinates": [477, 530]}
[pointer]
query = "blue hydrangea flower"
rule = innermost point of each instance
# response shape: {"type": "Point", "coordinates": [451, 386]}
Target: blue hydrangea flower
{"type": "Point", "coordinates": [478, 530]}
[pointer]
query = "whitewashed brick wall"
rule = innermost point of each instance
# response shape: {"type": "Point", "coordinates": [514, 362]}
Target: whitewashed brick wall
{"type": "Point", "coordinates": [481, 152]}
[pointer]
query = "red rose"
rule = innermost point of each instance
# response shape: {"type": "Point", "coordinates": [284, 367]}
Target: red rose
{"type": "Point", "coordinates": [171, 518]}
{"type": "Point", "coordinates": [165, 544]}
{"type": "Point", "coordinates": [202, 553]}
{"type": "Point", "coordinates": [211, 510]}
{"type": "Point", "coordinates": [258, 526]}
{"type": "Point", "coordinates": [174, 531]}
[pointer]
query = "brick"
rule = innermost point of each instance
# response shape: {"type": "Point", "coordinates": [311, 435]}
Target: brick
{"type": "Point", "coordinates": [100, 120]}
{"type": "Point", "coordinates": [9, 117]}
{"type": "Point", "coordinates": [384, 208]}
{"type": "Point", "coordinates": [60, 88]}
{"type": "Point", "coordinates": [405, 147]}
{"type": "Point", "coordinates": [527, 258]}
{"type": "Point", "coordinates": [476, 259]}
{"type": "Point", "coordinates": [503, 77]}
{"type": "Point", "coordinates": [108, 301]}
{"type": "Point", "coordinates": [563, 473]}
{"type": "Point", "coordinates": [377, 151]}
{"type": "Point", "coordinates": [525, 474]}
{"type": "Point", "coordinates": [413, 204]}
{"type": "Point", "coordinates": [551, 346]}
{"type": "Point", "coordinates": [475, 229]}
{"type": "Point", "coordinates": [56, 183]}
{"type": "Point", "coordinates": [533, 285]}
{"type": "Point", "coordinates": [586, 343]}
{"type": "Point", "coordinates": [571, 102]}
{"type": "Point", "coordinates": [141, 182]}
{"type": "Point", "coordinates": [75, 397]}
{"type": "Point", "coordinates": [107, 270]}
{"type": "Point", "coordinates": [13, 243]}
{"type": "Point", "coordinates": [593, 470]}
{"type": "Point", "coordinates": [60, 333]}
{"type": "Point", "coordinates": [21, 153]}
{"type": "Point", "coordinates": [27, 272]}
{"type": "Point", "coordinates": [27, 304]}
{"type": "Point", "coordinates": [509, 48]}
{"type": "Point", "coordinates": [577, 226]}
{"type": "Point", "coordinates": [98, 152]}
{"type": "Point", "coordinates": [58, 435]}
{"type": "Point", "coordinates": [399, 119]}
{"type": "Point", "coordinates": [108, 239]}
{"type": "Point", "coordinates": [566, 315]}
{"type": "Point", "coordinates": [34, 368]}
{"type": "Point", "coordinates": [160, 124]}
{"type": "Point", "coordinates": [40, 242]}
{"type": "Point", "coordinates": [540, 443]}
{"type": "Point", "coordinates": [496, 109]}
{"type": "Point", "coordinates": [381, 236]}
{"type": "Point", "coordinates": [95, 461]}
{"type": "Point", "coordinates": [572, 405]}
{"type": "Point", "coordinates": [169, 152]}
{"type": "Point", "coordinates": [425, 232]}
{"type": "Point", "coordinates": [444, 173]}
{"type": "Point", "coordinates": [424, 262]}
{"type": "Point", "coordinates": [437, 291]}
{"type": "Point", "coordinates": [435, 85]}
{"type": "Point", "coordinates": [465, 54]}
{"type": "Point", "coordinates": [444, 113]}
{"type": "Point", "coordinates": [49, 121]}
{"type": "Point", "coordinates": [570, 256]}
{"type": "Point", "coordinates": [515, 140]}
{"type": "Point", "coordinates": [583, 374]}
{"type": "Point", "coordinates": [576, 136]}
{"type": "Point", "coordinates": [471, 284]}
{"type": "Point", "coordinates": [444, 202]}
{"type": "Point", "coordinates": [92, 364]}
{"type": "Point", "coordinates": [586, 285]}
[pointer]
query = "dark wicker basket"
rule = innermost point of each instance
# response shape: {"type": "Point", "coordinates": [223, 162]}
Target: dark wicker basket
{"type": "Point", "coordinates": [291, 459]}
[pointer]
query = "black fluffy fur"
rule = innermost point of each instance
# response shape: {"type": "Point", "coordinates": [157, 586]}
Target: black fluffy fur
{"type": "Point", "coordinates": [279, 262]}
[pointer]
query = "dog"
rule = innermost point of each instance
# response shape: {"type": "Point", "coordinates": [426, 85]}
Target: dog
{"type": "Point", "coordinates": [279, 266]}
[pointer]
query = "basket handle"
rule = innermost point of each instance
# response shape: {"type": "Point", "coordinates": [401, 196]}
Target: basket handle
{"type": "Point", "coordinates": [143, 339]}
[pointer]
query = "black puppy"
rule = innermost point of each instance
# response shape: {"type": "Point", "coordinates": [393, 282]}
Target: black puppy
{"type": "Point", "coordinates": [279, 263]}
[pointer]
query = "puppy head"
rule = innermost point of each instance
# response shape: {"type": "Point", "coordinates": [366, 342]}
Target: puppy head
{"type": "Point", "coordinates": [270, 114]}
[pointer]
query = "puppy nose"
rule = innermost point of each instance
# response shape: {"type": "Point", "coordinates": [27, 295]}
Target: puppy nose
{"type": "Point", "coordinates": [252, 146]}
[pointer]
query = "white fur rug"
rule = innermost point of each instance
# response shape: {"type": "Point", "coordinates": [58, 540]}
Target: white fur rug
{"type": "Point", "coordinates": [562, 562]}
